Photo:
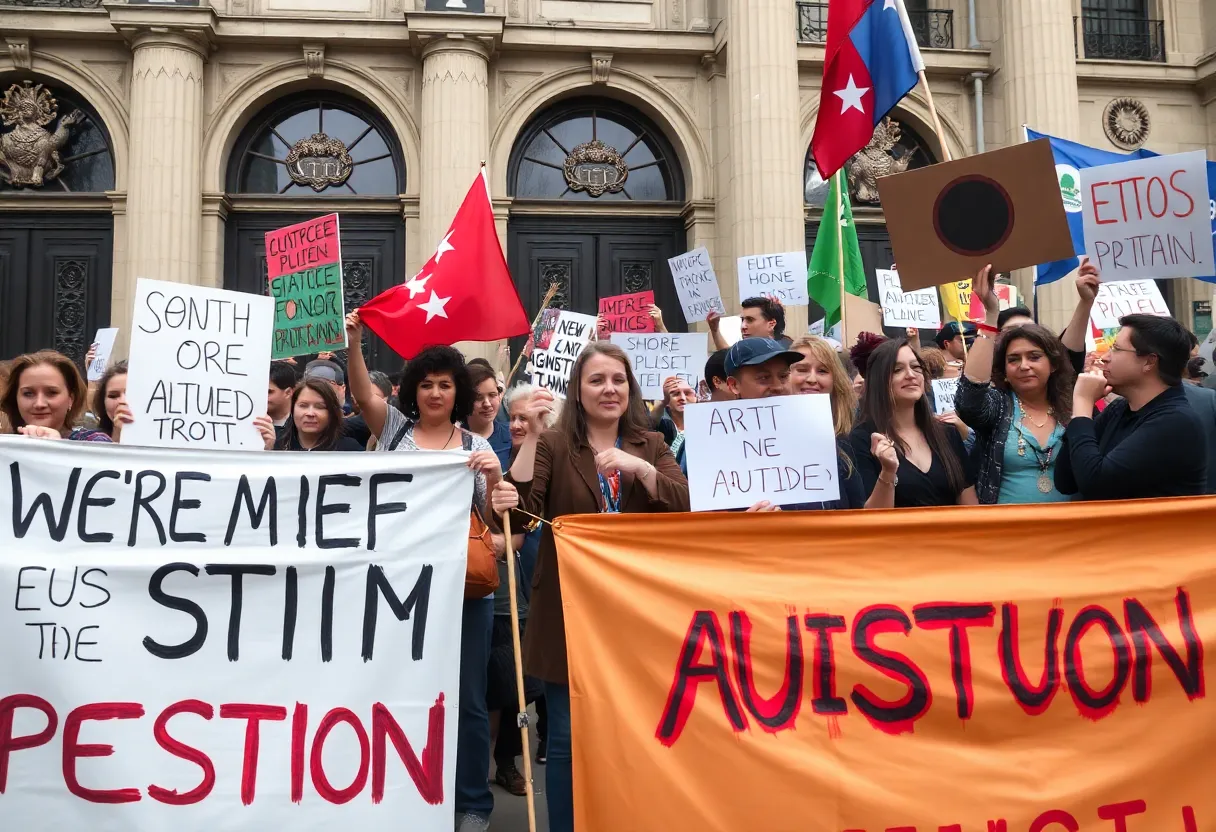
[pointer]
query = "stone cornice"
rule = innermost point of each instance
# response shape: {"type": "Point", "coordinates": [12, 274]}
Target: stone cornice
{"type": "Point", "coordinates": [1136, 72]}
{"type": "Point", "coordinates": [1206, 72]}
{"type": "Point", "coordinates": [187, 27]}
{"type": "Point", "coordinates": [618, 41]}
{"type": "Point", "coordinates": [939, 63]}
{"type": "Point", "coordinates": [430, 31]}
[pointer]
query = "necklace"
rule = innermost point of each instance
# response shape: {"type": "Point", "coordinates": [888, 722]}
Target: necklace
{"type": "Point", "coordinates": [442, 447]}
{"type": "Point", "coordinates": [1042, 460]}
{"type": "Point", "coordinates": [1026, 414]}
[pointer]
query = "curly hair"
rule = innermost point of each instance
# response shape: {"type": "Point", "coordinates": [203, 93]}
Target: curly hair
{"type": "Point", "coordinates": [436, 361]}
{"type": "Point", "coordinates": [867, 342]}
{"type": "Point", "coordinates": [1062, 378]}
{"type": "Point", "coordinates": [104, 423]}
{"type": "Point", "coordinates": [844, 400]}
{"type": "Point", "coordinates": [332, 431]}
{"type": "Point", "coordinates": [73, 381]}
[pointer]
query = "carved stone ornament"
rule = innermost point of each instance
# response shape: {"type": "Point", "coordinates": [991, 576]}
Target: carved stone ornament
{"type": "Point", "coordinates": [601, 67]}
{"type": "Point", "coordinates": [319, 162]}
{"type": "Point", "coordinates": [314, 59]}
{"type": "Point", "coordinates": [19, 51]}
{"type": "Point", "coordinates": [1126, 123]}
{"type": "Point", "coordinates": [596, 168]}
{"type": "Point", "coordinates": [29, 153]}
{"type": "Point", "coordinates": [875, 160]}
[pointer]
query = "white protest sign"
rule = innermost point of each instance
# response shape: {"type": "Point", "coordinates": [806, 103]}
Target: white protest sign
{"type": "Point", "coordinates": [731, 328]}
{"type": "Point", "coordinates": [1208, 348]}
{"type": "Point", "coordinates": [943, 394]}
{"type": "Point", "coordinates": [1144, 218]}
{"type": "Point", "coordinates": [552, 362]}
{"type": "Point", "coordinates": [657, 356]}
{"type": "Point", "coordinates": [905, 309]}
{"type": "Point", "coordinates": [781, 277]}
{"type": "Point", "coordinates": [816, 328]}
{"type": "Point", "coordinates": [239, 641]}
{"type": "Point", "coordinates": [103, 347]}
{"type": "Point", "coordinates": [780, 449]}
{"type": "Point", "coordinates": [696, 285]}
{"type": "Point", "coordinates": [1117, 298]}
{"type": "Point", "coordinates": [200, 360]}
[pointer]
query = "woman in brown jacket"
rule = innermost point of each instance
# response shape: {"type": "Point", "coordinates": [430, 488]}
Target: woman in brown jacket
{"type": "Point", "coordinates": [601, 457]}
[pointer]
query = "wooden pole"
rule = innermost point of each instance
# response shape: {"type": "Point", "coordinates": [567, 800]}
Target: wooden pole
{"type": "Point", "coordinates": [544, 304]}
{"type": "Point", "coordinates": [841, 183]}
{"type": "Point", "coordinates": [521, 718]}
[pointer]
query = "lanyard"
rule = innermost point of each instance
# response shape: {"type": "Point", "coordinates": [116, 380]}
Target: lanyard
{"type": "Point", "coordinates": [610, 489]}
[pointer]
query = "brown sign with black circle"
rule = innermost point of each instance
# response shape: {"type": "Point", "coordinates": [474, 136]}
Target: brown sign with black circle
{"type": "Point", "coordinates": [948, 220]}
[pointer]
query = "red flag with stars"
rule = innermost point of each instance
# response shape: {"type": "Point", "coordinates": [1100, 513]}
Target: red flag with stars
{"type": "Point", "coordinates": [463, 293]}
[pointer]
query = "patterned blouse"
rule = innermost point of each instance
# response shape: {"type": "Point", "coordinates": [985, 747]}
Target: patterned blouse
{"type": "Point", "coordinates": [394, 420]}
{"type": "Point", "coordinates": [88, 435]}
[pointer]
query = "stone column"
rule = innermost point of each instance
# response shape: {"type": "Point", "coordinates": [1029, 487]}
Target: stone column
{"type": "Point", "coordinates": [164, 190]}
{"type": "Point", "coordinates": [765, 154]}
{"type": "Point", "coordinates": [1039, 77]}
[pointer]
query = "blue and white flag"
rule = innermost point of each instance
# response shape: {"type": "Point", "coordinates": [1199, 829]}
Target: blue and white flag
{"type": "Point", "coordinates": [1070, 158]}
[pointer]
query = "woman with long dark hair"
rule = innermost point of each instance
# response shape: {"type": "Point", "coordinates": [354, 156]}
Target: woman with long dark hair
{"type": "Point", "coordinates": [932, 467]}
{"type": "Point", "coordinates": [110, 401]}
{"type": "Point", "coordinates": [1016, 394]}
{"type": "Point", "coordinates": [601, 457]}
{"type": "Point", "coordinates": [316, 420]}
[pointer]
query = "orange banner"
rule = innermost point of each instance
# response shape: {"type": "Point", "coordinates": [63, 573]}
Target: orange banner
{"type": "Point", "coordinates": [991, 669]}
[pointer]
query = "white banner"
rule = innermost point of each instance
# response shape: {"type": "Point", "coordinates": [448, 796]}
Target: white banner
{"type": "Point", "coordinates": [905, 309]}
{"type": "Point", "coordinates": [696, 285]}
{"type": "Point", "coordinates": [658, 356]}
{"type": "Point", "coordinates": [1117, 298]}
{"type": "Point", "coordinates": [200, 361]}
{"type": "Point", "coordinates": [555, 354]}
{"type": "Point", "coordinates": [235, 641]}
{"type": "Point", "coordinates": [781, 277]}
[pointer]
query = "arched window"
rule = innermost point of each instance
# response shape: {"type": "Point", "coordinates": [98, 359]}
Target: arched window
{"type": "Point", "coordinates": [51, 140]}
{"type": "Point", "coordinates": [594, 150]}
{"type": "Point", "coordinates": [889, 151]}
{"type": "Point", "coordinates": [317, 143]}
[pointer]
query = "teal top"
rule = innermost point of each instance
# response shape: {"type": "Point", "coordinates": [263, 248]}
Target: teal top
{"type": "Point", "coordinates": [1020, 472]}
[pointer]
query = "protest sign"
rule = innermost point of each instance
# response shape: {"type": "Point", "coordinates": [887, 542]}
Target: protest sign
{"type": "Point", "coordinates": [659, 356]}
{"type": "Point", "coordinates": [1117, 298]}
{"type": "Point", "coordinates": [905, 309]}
{"type": "Point", "coordinates": [696, 285]}
{"type": "Point", "coordinates": [849, 670]}
{"type": "Point", "coordinates": [731, 328]}
{"type": "Point", "coordinates": [1145, 218]}
{"type": "Point", "coordinates": [944, 390]}
{"type": "Point", "coordinates": [781, 449]}
{"type": "Point", "coordinates": [816, 328]}
{"type": "Point", "coordinates": [628, 313]}
{"type": "Point", "coordinates": [103, 348]}
{"type": "Point", "coordinates": [557, 349]}
{"type": "Point", "coordinates": [200, 360]}
{"type": "Point", "coordinates": [781, 277]}
{"type": "Point", "coordinates": [304, 264]}
{"type": "Point", "coordinates": [244, 641]}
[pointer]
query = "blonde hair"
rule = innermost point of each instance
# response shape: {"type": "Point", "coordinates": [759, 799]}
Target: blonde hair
{"type": "Point", "coordinates": [844, 400]}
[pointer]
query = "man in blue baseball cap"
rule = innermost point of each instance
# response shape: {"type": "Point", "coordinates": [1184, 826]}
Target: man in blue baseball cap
{"type": "Point", "coordinates": [759, 367]}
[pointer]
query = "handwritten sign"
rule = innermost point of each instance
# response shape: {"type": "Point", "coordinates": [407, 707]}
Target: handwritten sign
{"type": "Point", "coordinates": [731, 328]}
{"type": "Point", "coordinates": [103, 348]}
{"type": "Point", "coordinates": [656, 358]}
{"type": "Point", "coordinates": [905, 309]}
{"type": "Point", "coordinates": [304, 263]}
{"type": "Point", "coordinates": [1145, 218]}
{"type": "Point", "coordinates": [943, 395]}
{"type": "Point", "coordinates": [780, 449]}
{"type": "Point", "coordinates": [1117, 298]}
{"type": "Point", "coordinates": [781, 277]}
{"type": "Point", "coordinates": [696, 285]}
{"type": "Point", "coordinates": [321, 592]}
{"type": "Point", "coordinates": [556, 352]}
{"type": "Point", "coordinates": [629, 313]}
{"type": "Point", "coordinates": [200, 361]}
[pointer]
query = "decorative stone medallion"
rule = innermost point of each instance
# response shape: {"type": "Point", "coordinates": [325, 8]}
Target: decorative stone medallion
{"type": "Point", "coordinates": [319, 162]}
{"type": "Point", "coordinates": [596, 168]}
{"type": "Point", "coordinates": [1126, 123]}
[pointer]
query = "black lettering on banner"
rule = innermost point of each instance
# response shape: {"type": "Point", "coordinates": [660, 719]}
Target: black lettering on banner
{"type": "Point", "coordinates": [1033, 699]}
{"type": "Point", "coordinates": [157, 593]}
{"type": "Point", "coordinates": [327, 615]}
{"type": "Point", "coordinates": [890, 717]}
{"type": "Point", "coordinates": [1095, 704]}
{"type": "Point", "coordinates": [302, 514]}
{"type": "Point", "coordinates": [87, 502]}
{"type": "Point", "coordinates": [57, 529]}
{"type": "Point", "coordinates": [323, 482]}
{"type": "Point", "coordinates": [268, 504]}
{"type": "Point", "coordinates": [418, 601]}
{"type": "Point", "coordinates": [291, 601]}
{"type": "Point", "coordinates": [142, 502]}
{"type": "Point", "coordinates": [957, 618]}
{"type": "Point", "coordinates": [237, 571]}
{"type": "Point", "coordinates": [781, 710]}
{"type": "Point", "coordinates": [84, 581]}
{"type": "Point", "coordinates": [185, 505]}
{"type": "Point", "coordinates": [826, 701]}
{"type": "Point", "coordinates": [20, 586]}
{"type": "Point", "coordinates": [376, 508]}
{"type": "Point", "coordinates": [50, 589]}
{"type": "Point", "coordinates": [704, 628]}
{"type": "Point", "coordinates": [1144, 629]}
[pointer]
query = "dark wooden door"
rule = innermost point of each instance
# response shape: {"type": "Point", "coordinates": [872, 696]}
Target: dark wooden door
{"type": "Point", "coordinates": [55, 276]}
{"type": "Point", "coordinates": [373, 259]}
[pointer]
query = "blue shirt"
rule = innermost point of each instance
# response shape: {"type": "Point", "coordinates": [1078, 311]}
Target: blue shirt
{"type": "Point", "coordinates": [1020, 473]}
{"type": "Point", "coordinates": [500, 443]}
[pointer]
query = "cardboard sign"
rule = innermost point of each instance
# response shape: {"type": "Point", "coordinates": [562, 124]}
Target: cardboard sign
{"type": "Point", "coordinates": [781, 277]}
{"type": "Point", "coordinates": [629, 313]}
{"type": "Point", "coordinates": [944, 390]}
{"type": "Point", "coordinates": [1145, 218]}
{"type": "Point", "coordinates": [200, 361]}
{"type": "Point", "coordinates": [860, 315]}
{"type": "Point", "coordinates": [558, 348]}
{"type": "Point", "coordinates": [230, 641]}
{"type": "Point", "coordinates": [780, 449]}
{"type": "Point", "coordinates": [905, 309]}
{"type": "Point", "coordinates": [656, 358]}
{"type": "Point", "coordinates": [1126, 297]}
{"type": "Point", "coordinates": [858, 674]}
{"type": "Point", "coordinates": [304, 263]}
{"type": "Point", "coordinates": [696, 285]}
{"type": "Point", "coordinates": [103, 348]}
{"type": "Point", "coordinates": [950, 219]}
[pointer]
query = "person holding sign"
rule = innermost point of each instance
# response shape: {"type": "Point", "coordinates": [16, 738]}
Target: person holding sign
{"type": "Point", "coordinates": [601, 457]}
{"type": "Point", "coordinates": [316, 420]}
{"type": "Point", "coordinates": [45, 397]}
{"type": "Point", "coordinates": [669, 419]}
{"type": "Point", "coordinates": [1019, 402]}
{"type": "Point", "coordinates": [930, 458]}
{"type": "Point", "coordinates": [110, 401]}
{"type": "Point", "coordinates": [761, 318]}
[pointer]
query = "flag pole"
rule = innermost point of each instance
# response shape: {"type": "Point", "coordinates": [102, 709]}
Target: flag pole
{"type": "Point", "coordinates": [840, 185]}
{"type": "Point", "coordinates": [937, 122]}
{"type": "Point", "coordinates": [544, 304]}
{"type": "Point", "coordinates": [521, 718]}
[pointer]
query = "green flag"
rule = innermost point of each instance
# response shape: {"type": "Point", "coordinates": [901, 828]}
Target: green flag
{"type": "Point", "coordinates": [836, 234]}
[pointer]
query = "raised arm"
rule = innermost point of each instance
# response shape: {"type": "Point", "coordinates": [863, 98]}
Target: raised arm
{"type": "Point", "coordinates": [979, 357]}
{"type": "Point", "coordinates": [373, 408]}
{"type": "Point", "coordinates": [1088, 281]}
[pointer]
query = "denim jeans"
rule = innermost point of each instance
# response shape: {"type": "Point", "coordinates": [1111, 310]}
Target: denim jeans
{"type": "Point", "coordinates": [559, 777]}
{"type": "Point", "coordinates": [473, 727]}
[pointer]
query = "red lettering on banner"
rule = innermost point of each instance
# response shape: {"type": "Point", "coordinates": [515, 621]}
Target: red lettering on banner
{"type": "Point", "coordinates": [426, 773]}
{"type": "Point", "coordinates": [704, 630]}
{"type": "Point", "coordinates": [1178, 190]}
{"type": "Point", "coordinates": [73, 750]}
{"type": "Point", "coordinates": [253, 714]}
{"type": "Point", "coordinates": [299, 735]}
{"type": "Point", "coordinates": [179, 749]}
{"type": "Point", "coordinates": [9, 743]}
{"type": "Point", "coordinates": [319, 780]}
{"type": "Point", "coordinates": [1096, 203]}
{"type": "Point", "coordinates": [889, 717]}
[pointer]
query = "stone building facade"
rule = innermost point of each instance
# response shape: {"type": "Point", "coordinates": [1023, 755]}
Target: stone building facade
{"type": "Point", "coordinates": [618, 133]}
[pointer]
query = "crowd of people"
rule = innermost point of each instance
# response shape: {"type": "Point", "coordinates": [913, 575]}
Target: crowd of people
{"type": "Point", "coordinates": [1037, 420]}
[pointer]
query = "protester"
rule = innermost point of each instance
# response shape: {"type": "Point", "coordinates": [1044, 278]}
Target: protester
{"type": "Point", "coordinates": [1073, 337]}
{"type": "Point", "coordinates": [483, 419]}
{"type": "Point", "coordinates": [436, 394]}
{"type": "Point", "coordinates": [110, 401]}
{"type": "Point", "coordinates": [316, 421]}
{"type": "Point", "coordinates": [382, 384]}
{"type": "Point", "coordinates": [1194, 371]}
{"type": "Point", "coordinates": [821, 371]}
{"type": "Point", "coordinates": [859, 353]}
{"type": "Point", "coordinates": [278, 392]}
{"type": "Point", "coordinates": [950, 339]}
{"type": "Point", "coordinates": [1203, 402]}
{"type": "Point", "coordinates": [1149, 442]}
{"type": "Point", "coordinates": [669, 419]}
{"type": "Point", "coordinates": [1016, 392]}
{"type": "Point", "coordinates": [1012, 317]}
{"type": "Point", "coordinates": [330, 371]}
{"type": "Point", "coordinates": [935, 361]}
{"type": "Point", "coordinates": [760, 318]}
{"type": "Point", "coordinates": [601, 457]}
{"type": "Point", "coordinates": [715, 377]}
{"type": "Point", "coordinates": [931, 468]}
{"type": "Point", "coordinates": [45, 397]}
